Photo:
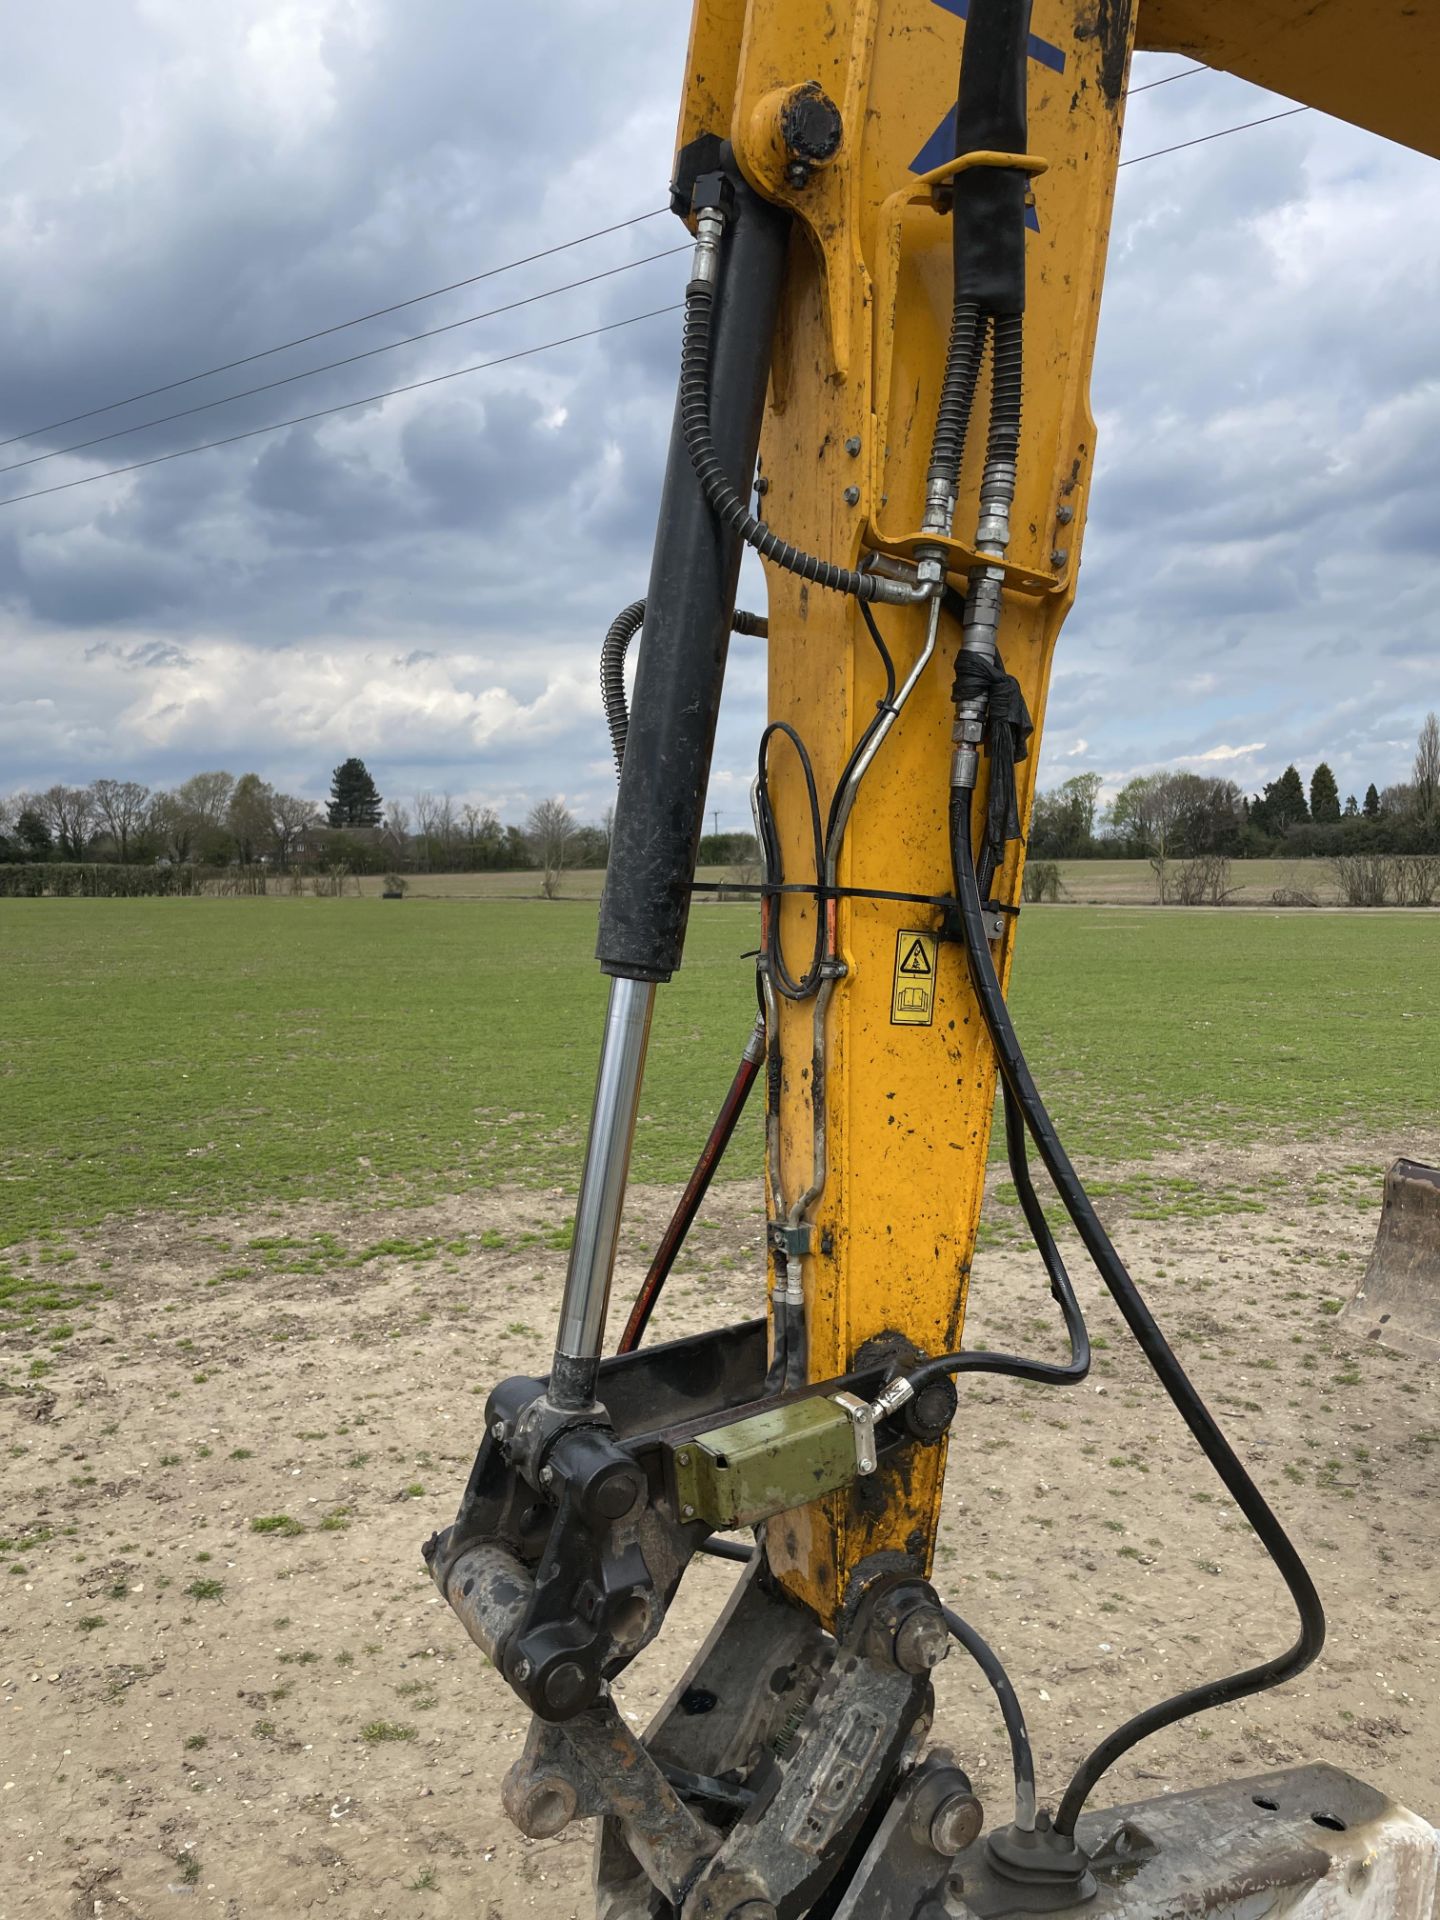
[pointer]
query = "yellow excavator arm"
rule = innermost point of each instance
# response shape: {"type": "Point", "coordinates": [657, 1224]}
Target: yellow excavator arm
{"type": "Point", "coordinates": [1371, 62]}
{"type": "Point", "coordinates": [900, 211]}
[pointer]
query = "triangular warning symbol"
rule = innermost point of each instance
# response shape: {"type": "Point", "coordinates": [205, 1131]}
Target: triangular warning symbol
{"type": "Point", "coordinates": [916, 960]}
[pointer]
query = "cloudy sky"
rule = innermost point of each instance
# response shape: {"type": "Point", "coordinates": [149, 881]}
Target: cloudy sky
{"type": "Point", "coordinates": [424, 581]}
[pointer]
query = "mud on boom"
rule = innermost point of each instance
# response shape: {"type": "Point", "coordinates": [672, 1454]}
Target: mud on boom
{"type": "Point", "coordinates": [900, 211]}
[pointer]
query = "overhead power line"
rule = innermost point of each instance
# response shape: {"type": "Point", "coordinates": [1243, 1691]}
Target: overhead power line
{"type": "Point", "coordinates": [1200, 139]}
{"type": "Point", "coordinates": [344, 406]}
{"type": "Point", "coordinates": [377, 313]}
{"type": "Point", "coordinates": [309, 373]}
{"type": "Point", "coordinates": [302, 339]}
{"type": "Point", "coordinates": [479, 366]}
{"type": "Point", "coordinates": [1185, 73]}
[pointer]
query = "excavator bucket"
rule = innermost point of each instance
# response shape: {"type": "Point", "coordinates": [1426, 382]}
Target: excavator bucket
{"type": "Point", "coordinates": [1398, 1300]}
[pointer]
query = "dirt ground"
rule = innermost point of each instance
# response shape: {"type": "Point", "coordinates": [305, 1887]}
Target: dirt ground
{"type": "Point", "coordinates": [202, 1715]}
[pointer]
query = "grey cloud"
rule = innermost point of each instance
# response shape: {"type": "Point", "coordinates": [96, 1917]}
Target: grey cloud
{"type": "Point", "coordinates": [428, 579]}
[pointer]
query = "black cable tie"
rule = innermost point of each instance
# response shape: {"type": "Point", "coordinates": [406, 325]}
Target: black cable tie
{"type": "Point", "coordinates": [943, 902]}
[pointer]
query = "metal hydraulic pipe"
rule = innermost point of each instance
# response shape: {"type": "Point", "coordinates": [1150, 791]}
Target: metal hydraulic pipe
{"type": "Point", "coordinates": [602, 1194]}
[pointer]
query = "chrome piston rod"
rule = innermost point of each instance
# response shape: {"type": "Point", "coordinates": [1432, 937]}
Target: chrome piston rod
{"type": "Point", "coordinates": [602, 1194]}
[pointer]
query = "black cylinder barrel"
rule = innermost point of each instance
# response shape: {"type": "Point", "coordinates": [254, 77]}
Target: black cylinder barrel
{"type": "Point", "coordinates": [693, 577]}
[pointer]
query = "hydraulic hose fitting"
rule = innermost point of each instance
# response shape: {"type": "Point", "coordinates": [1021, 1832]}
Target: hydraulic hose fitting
{"type": "Point", "coordinates": [891, 1398]}
{"type": "Point", "coordinates": [965, 760]}
{"type": "Point", "coordinates": [997, 494]}
{"type": "Point", "coordinates": [939, 504]}
{"type": "Point", "coordinates": [981, 623]}
{"type": "Point", "coordinates": [705, 262]}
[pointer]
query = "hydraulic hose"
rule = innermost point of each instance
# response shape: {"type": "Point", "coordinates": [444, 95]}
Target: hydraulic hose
{"type": "Point", "coordinates": [966, 350]}
{"type": "Point", "coordinates": [1022, 1760]}
{"type": "Point", "coordinates": [1153, 1344]}
{"type": "Point", "coordinates": [1011, 1366]}
{"type": "Point", "coordinates": [726, 501]}
{"type": "Point", "coordinates": [735, 1550]}
{"type": "Point", "coordinates": [772, 865]}
{"type": "Point", "coordinates": [696, 1187]}
{"type": "Point", "coordinates": [616, 645]}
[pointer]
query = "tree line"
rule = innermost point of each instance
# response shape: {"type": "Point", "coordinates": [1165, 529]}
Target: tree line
{"type": "Point", "coordinates": [215, 821]}
{"type": "Point", "coordinates": [1182, 815]}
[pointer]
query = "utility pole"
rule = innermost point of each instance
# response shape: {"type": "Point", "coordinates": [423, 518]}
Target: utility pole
{"type": "Point", "coordinates": [715, 818]}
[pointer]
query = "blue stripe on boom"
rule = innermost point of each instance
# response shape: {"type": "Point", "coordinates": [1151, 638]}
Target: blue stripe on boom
{"type": "Point", "coordinates": [1041, 50]}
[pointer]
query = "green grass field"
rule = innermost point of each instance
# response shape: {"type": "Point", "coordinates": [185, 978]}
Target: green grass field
{"type": "Point", "coordinates": [205, 1055]}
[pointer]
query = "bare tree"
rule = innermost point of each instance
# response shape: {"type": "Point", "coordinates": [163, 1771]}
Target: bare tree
{"type": "Point", "coordinates": [248, 816]}
{"type": "Point", "coordinates": [550, 827]}
{"type": "Point", "coordinates": [121, 804]}
{"type": "Point", "coordinates": [1151, 808]}
{"type": "Point", "coordinates": [207, 795]}
{"type": "Point", "coordinates": [173, 824]}
{"type": "Point", "coordinates": [445, 829]}
{"type": "Point", "coordinates": [427, 817]}
{"type": "Point", "coordinates": [70, 814]}
{"type": "Point", "coordinates": [1426, 781]}
{"type": "Point", "coordinates": [290, 818]}
{"type": "Point", "coordinates": [206, 798]}
{"type": "Point", "coordinates": [396, 830]}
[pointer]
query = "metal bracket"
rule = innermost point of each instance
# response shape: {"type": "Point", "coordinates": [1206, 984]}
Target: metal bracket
{"type": "Point", "coordinates": [795, 1243]}
{"type": "Point", "coordinates": [862, 1425]}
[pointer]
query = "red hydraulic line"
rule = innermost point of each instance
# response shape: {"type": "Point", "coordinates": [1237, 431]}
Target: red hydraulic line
{"type": "Point", "coordinates": [695, 1191]}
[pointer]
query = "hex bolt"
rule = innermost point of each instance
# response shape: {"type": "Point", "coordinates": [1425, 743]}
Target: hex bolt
{"type": "Point", "coordinates": [1059, 556]}
{"type": "Point", "coordinates": [688, 1511]}
{"type": "Point", "coordinates": [547, 1476]}
{"type": "Point", "coordinates": [852, 445]}
{"type": "Point", "coordinates": [682, 1459]}
{"type": "Point", "coordinates": [1064, 515]}
{"type": "Point", "coordinates": [955, 1824]}
{"type": "Point", "coordinates": [498, 1431]}
{"type": "Point", "coordinates": [522, 1670]}
{"type": "Point", "coordinates": [762, 485]}
{"type": "Point", "coordinates": [852, 495]}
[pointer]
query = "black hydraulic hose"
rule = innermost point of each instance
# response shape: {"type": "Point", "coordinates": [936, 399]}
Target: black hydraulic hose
{"type": "Point", "coordinates": [616, 644]}
{"type": "Point", "coordinates": [735, 1550]}
{"type": "Point", "coordinates": [1006, 374]}
{"type": "Point", "coordinates": [726, 501]}
{"type": "Point", "coordinates": [1167, 1368]}
{"type": "Point", "coordinates": [772, 864]}
{"type": "Point", "coordinates": [1011, 1365]}
{"type": "Point", "coordinates": [968, 327]}
{"type": "Point", "coordinates": [1062, 1292]}
{"type": "Point", "coordinates": [1022, 1760]}
{"type": "Point", "coordinates": [991, 112]}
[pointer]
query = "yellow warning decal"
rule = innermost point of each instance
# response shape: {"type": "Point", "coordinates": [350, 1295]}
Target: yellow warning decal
{"type": "Point", "coordinates": [912, 999]}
